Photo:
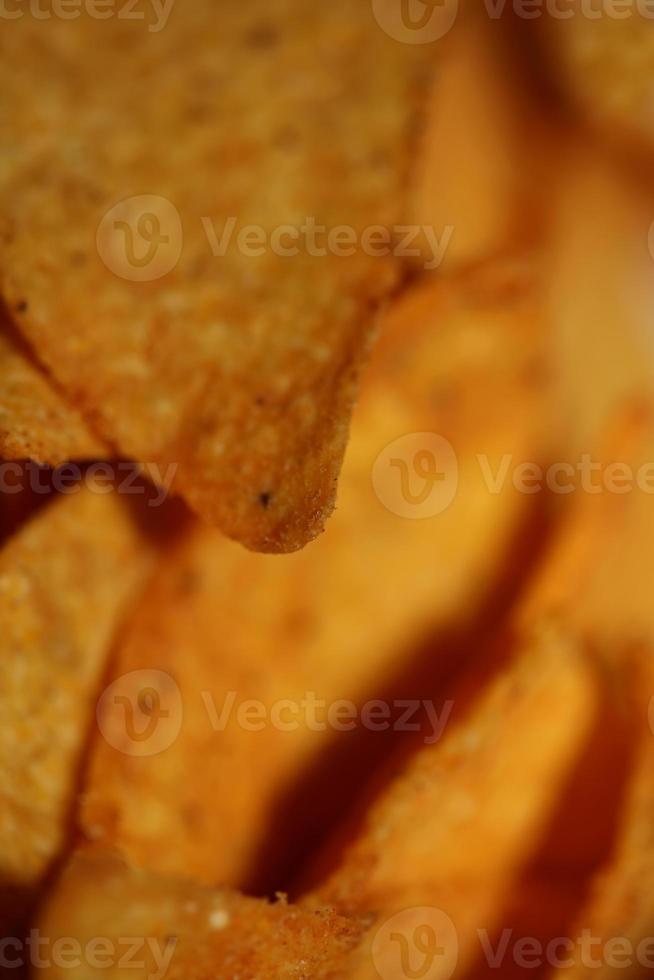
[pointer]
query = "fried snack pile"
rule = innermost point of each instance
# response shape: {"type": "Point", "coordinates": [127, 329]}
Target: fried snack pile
{"type": "Point", "coordinates": [317, 614]}
{"type": "Point", "coordinates": [423, 745]}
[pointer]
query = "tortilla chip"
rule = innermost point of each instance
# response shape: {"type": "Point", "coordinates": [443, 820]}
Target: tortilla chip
{"type": "Point", "coordinates": [65, 580]}
{"type": "Point", "coordinates": [604, 63]}
{"type": "Point", "coordinates": [18, 499]}
{"type": "Point", "coordinates": [598, 577]}
{"type": "Point", "coordinates": [239, 367]}
{"type": "Point", "coordinates": [35, 421]}
{"type": "Point", "coordinates": [220, 628]}
{"type": "Point", "coordinates": [414, 850]}
{"type": "Point", "coordinates": [180, 930]}
{"type": "Point", "coordinates": [619, 912]}
{"type": "Point", "coordinates": [410, 852]}
{"type": "Point", "coordinates": [452, 831]}
{"type": "Point", "coordinates": [482, 151]}
{"type": "Point", "coordinates": [605, 548]}
{"type": "Point", "coordinates": [600, 290]}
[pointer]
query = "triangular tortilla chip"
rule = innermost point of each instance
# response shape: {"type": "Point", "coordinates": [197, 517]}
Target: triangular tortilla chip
{"type": "Point", "coordinates": [239, 366]}
{"type": "Point", "coordinates": [230, 628]}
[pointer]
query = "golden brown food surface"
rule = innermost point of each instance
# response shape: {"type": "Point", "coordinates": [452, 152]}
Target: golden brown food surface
{"type": "Point", "coordinates": [603, 60]}
{"type": "Point", "coordinates": [65, 580]}
{"type": "Point", "coordinates": [183, 336]}
{"type": "Point", "coordinates": [413, 855]}
{"type": "Point", "coordinates": [619, 907]}
{"type": "Point", "coordinates": [415, 847]}
{"type": "Point", "coordinates": [155, 928]}
{"type": "Point", "coordinates": [221, 631]}
{"type": "Point", "coordinates": [36, 422]}
{"type": "Point", "coordinates": [425, 743]}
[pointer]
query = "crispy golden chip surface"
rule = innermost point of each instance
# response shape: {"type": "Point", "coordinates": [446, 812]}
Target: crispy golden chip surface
{"type": "Point", "coordinates": [245, 644]}
{"type": "Point", "coordinates": [65, 579]}
{"type": "Point", "coordinates": [36, 422]}
{"type": "Point", "coordinates": [598, 577]}
{"type": "Point", "coordinates": [455, 826]}
{"type": "Point", "coordinates": [618, 913]}
{"type": "Point", "coordinates": [182, 931]}
{"type": "Point", "coordinates": [411, 855]}
{"type": "Point", "coordinates": [235, 359]}
{"type": "Point", "coordinates": [604, 61]}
